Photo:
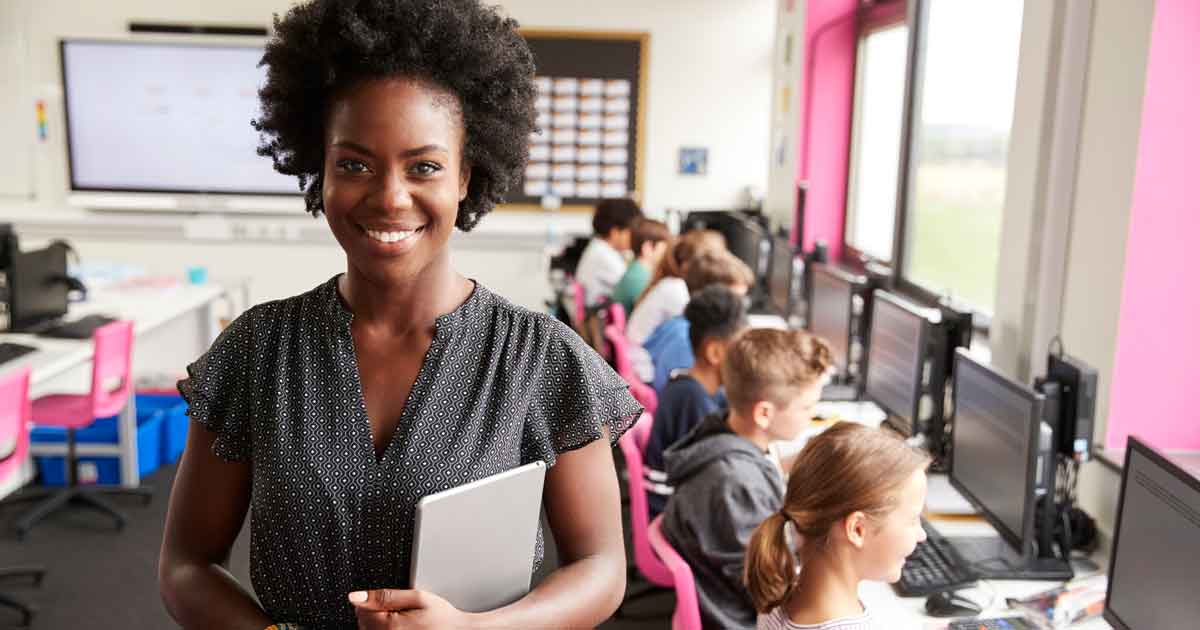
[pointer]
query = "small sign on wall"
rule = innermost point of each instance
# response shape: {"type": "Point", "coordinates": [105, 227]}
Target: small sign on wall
{"type": "Point", "coordinates": [693, 161]}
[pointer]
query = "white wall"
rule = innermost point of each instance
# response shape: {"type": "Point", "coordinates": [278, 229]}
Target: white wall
{"type": "Point", "coordinates": [709, 77]}
{"type": "Point", "coordinates": [787, 77]}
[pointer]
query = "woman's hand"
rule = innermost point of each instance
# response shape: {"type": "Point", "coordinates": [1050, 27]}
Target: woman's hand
{"type": "Point", "coordinates": [391, 609]}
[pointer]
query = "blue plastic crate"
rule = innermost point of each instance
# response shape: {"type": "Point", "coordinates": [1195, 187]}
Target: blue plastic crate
{"type": "Point", "coordinates": [175, 423]}
{"type": "Point", "coordinates": [103, 430]}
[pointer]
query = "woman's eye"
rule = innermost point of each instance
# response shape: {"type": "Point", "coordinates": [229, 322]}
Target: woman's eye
{"type": "Point", "coordinates": [352, 166]}
{"type": "Point", "coordinates": [426, 168]}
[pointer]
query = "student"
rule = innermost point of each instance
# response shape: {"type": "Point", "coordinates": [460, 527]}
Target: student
{"type": "Point", "coordinates": [714, 316]}
{"type": "Point", "coordinates": [603, 261]}
{"type": "Point", "coordinates": [667, 293]}
{"type": "Point", "coordinates": [725, 482]}
{"type": "Point", "coordinates": [852, 512]}
{"type": "Point", "coordinates": [668, 347]}
{"type": "Point", "coordinates": [325, 417]}
{"type": "Point", "coordinates": [650, 241]}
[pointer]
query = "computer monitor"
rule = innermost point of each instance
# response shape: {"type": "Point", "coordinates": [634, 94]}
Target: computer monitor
{"type": "Point", "coordinates": [896, 359]}
{"type": "Point", "coordinates": [994, 458]}
{"type": "Point", "coordinates": [831, 308]}
{"type": "Point", "coordinates": [37, 288]}
{"type": "Point", "coordinates": [1155, 563]}
{"type": "Point", "coordinates": [748, 241]}
{"type": "Point", "coordinates": [781, 279]}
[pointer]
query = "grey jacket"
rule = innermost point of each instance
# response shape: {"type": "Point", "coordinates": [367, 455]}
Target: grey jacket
{"type": "Point", "coordinates": [724, 488]}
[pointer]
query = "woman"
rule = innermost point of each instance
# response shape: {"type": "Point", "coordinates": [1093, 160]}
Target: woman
{"type": "Point", "coordinates": [328, 415]}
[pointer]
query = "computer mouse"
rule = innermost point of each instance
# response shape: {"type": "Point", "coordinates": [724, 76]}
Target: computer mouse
{"type": "Point", "coordinates": [950, 604]}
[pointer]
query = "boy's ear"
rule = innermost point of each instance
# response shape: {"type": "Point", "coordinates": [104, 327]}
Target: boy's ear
{"type": "Point", "coordinates": [762, 412]}
{"type": "Point", "coordinates": [855, 526]}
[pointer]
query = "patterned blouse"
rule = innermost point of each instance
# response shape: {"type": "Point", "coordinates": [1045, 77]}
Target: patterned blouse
{"type": "Point", "coordinates": [500, 386]}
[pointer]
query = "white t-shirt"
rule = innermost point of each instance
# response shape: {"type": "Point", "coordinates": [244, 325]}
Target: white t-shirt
{"type": "Point", "coordinates": [778, 620]}
{"type": "Point", "coordinates": [600, 269]}
{"type": "Point", "coordinates": [667, 299]}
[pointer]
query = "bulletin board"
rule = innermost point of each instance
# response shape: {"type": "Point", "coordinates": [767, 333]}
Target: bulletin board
{"type": "Point", "coordinates": [591, 111]}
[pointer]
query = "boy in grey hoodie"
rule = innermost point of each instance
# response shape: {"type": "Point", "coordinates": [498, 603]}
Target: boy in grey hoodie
{"type": "Point", "coordinates": [725, 483]}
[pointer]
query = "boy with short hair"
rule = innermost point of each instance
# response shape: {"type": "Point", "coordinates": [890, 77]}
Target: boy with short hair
{"type": "Point", "coordinates": [603, 261]}
{"type": "Point", "coordinates": [650, 241]}
{"type": "Point", "coordinates": [725, 483]}
{"type": "Point", "coordinates": [714, 317]}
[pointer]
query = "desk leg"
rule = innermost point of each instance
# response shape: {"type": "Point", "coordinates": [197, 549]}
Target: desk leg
{"type": "Point", "coordinates": [127, 432]}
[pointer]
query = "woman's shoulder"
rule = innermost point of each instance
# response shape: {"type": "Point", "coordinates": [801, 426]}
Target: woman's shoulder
{"type": "Point", "coordinates": [520, 321]}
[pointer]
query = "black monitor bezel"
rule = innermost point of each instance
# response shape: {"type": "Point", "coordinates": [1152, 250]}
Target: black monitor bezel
{"type": "Point", "coordinates": [854, 283]}
{"type": "Point", "coordinates": [923, 340]}
{"type": "Point", "coordinates": [70, 147]}
{"type": "Point", "coordinates": [1162, 461]}
{"type": "Point", "coordinates": [19, 320]}
{"type": "Point", "coordinates": [781, 240]}
{"type": "Point", "coordinates": [1024, 541]}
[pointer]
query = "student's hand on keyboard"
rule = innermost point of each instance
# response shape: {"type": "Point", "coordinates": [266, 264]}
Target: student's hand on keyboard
{"type": "Point", "coordinates": [392, 609]}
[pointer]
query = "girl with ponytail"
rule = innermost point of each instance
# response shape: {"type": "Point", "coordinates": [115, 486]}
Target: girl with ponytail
{"type": "Point", "coordinates": [852, 512]}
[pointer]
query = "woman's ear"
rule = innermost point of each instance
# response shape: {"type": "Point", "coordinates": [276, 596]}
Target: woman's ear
{"type": "Point", "coordinates": [464, 179]}
{"type": "Point", "coordinates": [855, 526]}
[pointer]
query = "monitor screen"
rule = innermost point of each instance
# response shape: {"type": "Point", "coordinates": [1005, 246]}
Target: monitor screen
{"type": "Point", "coordinates": [745, 239]}
{"type": "Point", "coordinates": [896, 357]}
{"type": "Point", "coordinates": [832, 296]}
{"type": "Point", "coordinates": [37, 286]}
{"type": "Point", "coordinates": [144, 116]}
{"type": "Point", "coordinates": [781, 278]}
{"type": "Point", "coordinates": [1155, 566]}
{"type": "Point", "coordinates": [994, 457]}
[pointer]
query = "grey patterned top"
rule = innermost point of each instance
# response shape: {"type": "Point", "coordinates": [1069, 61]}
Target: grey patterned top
{"type": "Point", "coordinates": [500, 386]}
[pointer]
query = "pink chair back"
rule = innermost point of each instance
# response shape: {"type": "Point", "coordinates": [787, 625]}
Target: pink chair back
{"type": "Point", "coordinates": [687, 606]}
{"type": "Point", "coordinates": [645, 394]}
{"type": "Point", "coordinates": [112, 369]}
{"type": "Point", "coordinates": [15, 413]}
{"type": "Point", "coordinates": [616, 316]}
{"type": "Point", "coordinates": [647, 563]}
{"type": "Point", "coordinates": [580, 304]}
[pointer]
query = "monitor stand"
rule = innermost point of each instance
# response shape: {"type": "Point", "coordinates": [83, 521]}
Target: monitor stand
{"type": "Point", "coordinates": [992, 558]}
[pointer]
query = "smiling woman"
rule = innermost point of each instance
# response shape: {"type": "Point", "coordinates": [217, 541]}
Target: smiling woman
{"type": "Point", "coordinates": [328, 415]}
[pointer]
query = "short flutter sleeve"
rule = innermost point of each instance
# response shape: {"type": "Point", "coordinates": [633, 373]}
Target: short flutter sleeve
{"type": "Point", "coordinates": [576, 396]}
{"type": "Point", "coordinates": [219, 386]}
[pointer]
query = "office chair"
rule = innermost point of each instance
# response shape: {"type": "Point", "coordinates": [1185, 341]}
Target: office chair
{"type": "Point", "coordinates": [687, 605]}
{"type": "Point", "coordinates": [14, 448]}
{"type": "Point", "coordinates": [111, 363]}
{"type": "Point", "coordinates": [643, 393]}
{"type": "Point", "coordinates": [656, 574]}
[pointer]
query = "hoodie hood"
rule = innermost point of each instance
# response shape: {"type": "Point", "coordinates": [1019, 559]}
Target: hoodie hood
{"type": "Point", "coordinates": [712, 440]}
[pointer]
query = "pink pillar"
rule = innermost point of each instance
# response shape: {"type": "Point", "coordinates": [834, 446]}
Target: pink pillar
{"type": "Point", "coordinates": [1155, 384]}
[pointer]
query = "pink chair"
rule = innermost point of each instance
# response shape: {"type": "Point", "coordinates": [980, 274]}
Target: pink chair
{"type": "Point", "coordinates": [14, 448]}
{"type": "Point", "coordinates": [112, 385]}
{"type": "Point", "coordinates": [644, 393]}
{"type": "Point", "coordinates": [579, 313]}
{"type": "Point", "coordinates": [647, 563]}
{"type": "Point", "coordinates": [616, 316]}
{"type": "Point", "coordinates": [687, 606]}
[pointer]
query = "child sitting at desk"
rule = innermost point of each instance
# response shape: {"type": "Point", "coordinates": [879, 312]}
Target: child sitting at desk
{"type": "Point", "coordinates": [714, 317]}
{"type": "Point", "coordinates": [852, 513]}
{"type": "Point", "coordinates": [651, 239]}
{"type": "Point", "coordinates": [603, 261]}
{"type": "Point", "coordinates": [725, 482]}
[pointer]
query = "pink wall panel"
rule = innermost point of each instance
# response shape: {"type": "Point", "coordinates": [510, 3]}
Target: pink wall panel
{"type": "Point", "coordinates": [1155, 375]}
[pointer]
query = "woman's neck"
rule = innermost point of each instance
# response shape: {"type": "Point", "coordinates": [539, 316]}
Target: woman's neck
{"type": "Point", "coordinates": [827, 590]}
{"type": "Point", "coordinates": [403, 305]}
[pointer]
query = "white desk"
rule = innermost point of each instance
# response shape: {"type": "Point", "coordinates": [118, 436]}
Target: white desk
{"type": "Point", "coordinates": [172, 326]}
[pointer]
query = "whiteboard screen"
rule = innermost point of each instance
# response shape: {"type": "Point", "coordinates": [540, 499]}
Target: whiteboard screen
{"type": "Point", "coordinates": [166, 118]}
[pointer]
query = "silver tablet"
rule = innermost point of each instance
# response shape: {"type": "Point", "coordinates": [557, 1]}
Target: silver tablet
{"type": "Point", "coordinates": [474, 544]}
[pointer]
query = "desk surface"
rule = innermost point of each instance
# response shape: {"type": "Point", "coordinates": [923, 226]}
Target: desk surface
{"type": "Point", "coordinates": [148, 307]}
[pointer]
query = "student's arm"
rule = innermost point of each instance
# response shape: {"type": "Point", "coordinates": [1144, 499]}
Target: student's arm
{"type": "Point", "coordinates": [583, 505]}
{"type": "Point", "coordinates": [207, 507]}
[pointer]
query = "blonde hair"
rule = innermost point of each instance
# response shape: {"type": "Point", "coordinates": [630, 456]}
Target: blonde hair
{"type": "Point", "coordinates": [848, 468]}
{"type": "Point", "coordinates": [719, 267]}
{"type": "Point", "coordinates": [770, 364]}
{"type": "Point", "coordinates": [682, 251]}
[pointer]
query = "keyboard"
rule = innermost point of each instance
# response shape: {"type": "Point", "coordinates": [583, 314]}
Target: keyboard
{"type": "Point", "coordinates": [1002, 623]}
{"type": "Point", "coordinates": [81, 328]}
{"type": "Point", "coordinates": [933, 567]}
{"type": "Point", "coordinates": [10, 351]}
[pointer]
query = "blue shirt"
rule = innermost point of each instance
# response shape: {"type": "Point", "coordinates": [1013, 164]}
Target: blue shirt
{"type": "Point", "coordinates": [670, 349]}
{"type": "Point", "coordinates": [683, 404]}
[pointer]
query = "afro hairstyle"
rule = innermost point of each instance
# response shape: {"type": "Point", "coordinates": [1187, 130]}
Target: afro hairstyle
{"type": "Point", "coordinates": [472, 51]}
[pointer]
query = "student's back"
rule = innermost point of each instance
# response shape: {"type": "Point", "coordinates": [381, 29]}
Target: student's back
{"type": "Point", "coordinates": [602, 263]}
{"type": "Point", "coordinates": [684, 403]}
{"type": "Point", "coordinates": [725, 486]}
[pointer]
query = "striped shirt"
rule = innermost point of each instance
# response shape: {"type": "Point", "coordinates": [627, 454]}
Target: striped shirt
{"type": "Point", "coordinates": [778, 620]}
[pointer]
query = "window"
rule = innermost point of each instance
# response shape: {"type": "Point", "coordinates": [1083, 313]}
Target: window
{"type": "Point", "coordinates": [962, 114]}
{"type": "Point", "coordinates": [875, 141]}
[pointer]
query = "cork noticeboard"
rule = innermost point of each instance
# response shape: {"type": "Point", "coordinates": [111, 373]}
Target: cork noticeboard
{"type": "Point", "coordinates": [591, 111]}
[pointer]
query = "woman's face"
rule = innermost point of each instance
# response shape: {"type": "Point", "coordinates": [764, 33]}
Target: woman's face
{"type": "Point", "coordinates": [896, 534]}
{"type": "Point", "coordinates": [393, 175]}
